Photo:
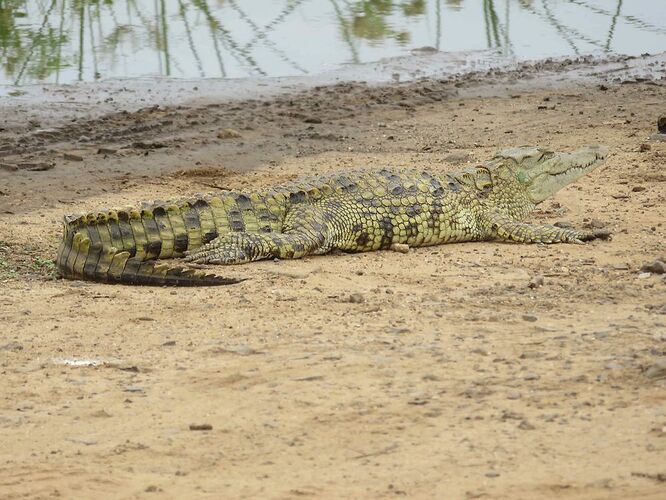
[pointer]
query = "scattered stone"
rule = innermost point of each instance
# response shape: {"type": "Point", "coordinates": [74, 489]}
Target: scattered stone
{"type": "Point", "coordinates": [169, 343]}
{"type": "Point", "coordinates": [312, 119]}
{"type": "Point", "coordinates": [492, 474]}
{"type": "Point", "coordinates": [134, 389]}
{"type": "Point", "coordinates": [84, 441]}
{"type": "Point", "coordinates": [229, 133]}
{"type": "Point", "coordinates": [637, 189]}
{"type": "Point", "coordinates": [536, 282]}
{"type": "Point", "coordinates": [513, 396]}
{"type": "Point", "coordinates": [106, 151]}
{"type": "Point", "coordinates": [621, 267]}
{"type": "Point", "coordinates": [596, 224]}
{"type": "Point", "coordinates": [531, 376]}
{"type": "Point", "coordinates": [526, 426]}
{"type": "Point", "coordinates": [36, 166]}
{"type": "Point", "coordinates": [419, 400]}
{"type": "Point", "coordinates": [564, 224]}
{"type": "Point", "coordinates": [84, 138]}
{"type": "Point", "coordinates": [8, 167]}
{"type": "Point", "coordinates": [644, 147]}
{"type": "Point", "coordinates": [661, 124]}
{"type": "Point", "coordinates": [201, 427]}
{"type": "Point", "coordinates": [356, 298]}
{"type": "Point", "coordinates": [642, 276]}
{"type": "Point", "coordinates": [531, 318]}
{"type": "Point", "coordinates": [656, 267]}
{"type": "Point", "coordinates": [660, 477]}
{"type": "Point", "coordinates": [657, 370]}
{"type": "Point", "coordinates": [400, 247]}
{"type": "Point", "coordinates": [243, 350]}
{"type": "Point", "coordinates": [457, 158]}
{"type": "Point", "coordinates": [46, 133]}
{"type": "Point", "coordinates": [72, 157]}
{"type": "Point", "coordinates": [311, 378]}
{"type": "Point", "coordinates": [11, 346]}
{"type": "Point", "coordinates": [152, 489]}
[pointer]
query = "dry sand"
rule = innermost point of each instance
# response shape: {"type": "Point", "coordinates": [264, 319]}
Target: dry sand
{"type": "Point", "coordinates": [437, 373]}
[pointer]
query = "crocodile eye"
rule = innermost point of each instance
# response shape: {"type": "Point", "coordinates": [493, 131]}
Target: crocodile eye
{"type": "Point", "coordinates": [546, 155]}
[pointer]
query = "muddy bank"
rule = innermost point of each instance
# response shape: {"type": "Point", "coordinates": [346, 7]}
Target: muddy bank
{"type": "Point", "coordinates": [447, 374]}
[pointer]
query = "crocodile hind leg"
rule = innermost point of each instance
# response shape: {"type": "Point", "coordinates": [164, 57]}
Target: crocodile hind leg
{"type": "Point", "coordinates": [503, 227]}
{"type": "Point", "coordinates": [304, 233]}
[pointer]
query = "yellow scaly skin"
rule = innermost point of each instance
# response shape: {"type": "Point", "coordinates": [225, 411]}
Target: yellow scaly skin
{"type": "Point", "coordinates": [353, 211]}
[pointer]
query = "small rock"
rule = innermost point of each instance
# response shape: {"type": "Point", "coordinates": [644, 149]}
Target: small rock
{"type": "Point", "coordinates": [526, 426]}
{"type": "Point", "coordinates": [480, 351]}
{"type": "Point", "coordinates": [564, 224]}
{"type": "Point", "coordinates": [457, 158]}
{"type": "Point", "coordinates": [72, 157]}
{"type": "Point", "coordinates": [84, 138]}
{"type": "Point", "coordinates": [644, 147]}
{"type": "Point", "coordinates": [133, 389]}
{"type": "Point", "coordinates": [243, 350]}
{"type": "Point", "coordinates": [531, 376]}
{"type": "Point", "coordinates": [400, 247]}
{"type": "Point", "coordinates": [169, 343]}
{"type": "Point", "coordinates": [201, 427]}
{"type": "Point", "coordinates": [228, 133]}
{"type": "Point", "coordinates": [11, 346]}
{"type": "Point", "coordinates": [513, 396]}
{"type": "Point", "coordinates": [656, 267]}
{"type": "Point", "coordinates": [8, 167]}
{"type": "Point", "coordinates": [312, 119]}
{"type": "Point", "coordinates": [661, 124]}
{"type": "Point", "coordinates": [419, 400]}
{"type": "Point", "coordinates": [536, 282]}
{"type": "Point", "coordinates": [642, 276]}
{"type": "Point", "coordinates": [637, 189]}
{"type": "Point", "coordinates": [596, 224]}
{"type": "Point", "coordinates": [106, 151]}
{"type": "Point", "coordinates": [356, 298]}
{"type": "Point", "coordinates": [84, 441]}
{"type": "Point", "coordinates": [621, 267]}
{"type": "Point", "coordinates": [492, 473]}
{"type": "Point", "coordinates": [36, 166]}
{"type": "Point", "coordinates": [531, 318]}
{"type": "Point", "coordinates": [657, 370]}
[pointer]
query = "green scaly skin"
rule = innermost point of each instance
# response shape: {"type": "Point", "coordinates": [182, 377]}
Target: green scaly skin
{"type": "Point", "coordinates": [353, 211]}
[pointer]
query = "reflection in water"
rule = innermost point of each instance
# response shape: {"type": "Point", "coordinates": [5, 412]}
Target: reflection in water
{"type": "Point", "coordinates": [63, 41]}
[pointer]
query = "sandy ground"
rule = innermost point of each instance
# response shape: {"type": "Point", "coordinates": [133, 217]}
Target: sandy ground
{"type": "Point", "coordinates": [439, 373]}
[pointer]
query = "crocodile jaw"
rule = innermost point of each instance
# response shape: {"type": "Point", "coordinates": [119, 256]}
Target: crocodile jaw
{"type": "Point", "coordinates": [543, 172]}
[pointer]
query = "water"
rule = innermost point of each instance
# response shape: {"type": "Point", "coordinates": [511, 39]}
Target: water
{"type": "Point", "coordinates": [64, 41]}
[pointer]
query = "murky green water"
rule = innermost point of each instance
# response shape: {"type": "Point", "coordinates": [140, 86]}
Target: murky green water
{"type": "Point", "coordinates": [63, 41]}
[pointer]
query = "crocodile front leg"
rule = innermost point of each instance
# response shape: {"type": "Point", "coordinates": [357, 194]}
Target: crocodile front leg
{"type": "Point", "coordinates": [503, 227]}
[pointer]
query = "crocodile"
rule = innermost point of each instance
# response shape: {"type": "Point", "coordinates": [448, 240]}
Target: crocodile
{"type": "Point", "coordinates": [352, 211]}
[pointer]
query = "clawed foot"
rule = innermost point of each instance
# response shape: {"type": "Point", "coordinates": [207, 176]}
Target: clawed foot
{"type": "Point", "coordinates": [597, 234]}
{"type": "Point", "coordinates": [232, 248]}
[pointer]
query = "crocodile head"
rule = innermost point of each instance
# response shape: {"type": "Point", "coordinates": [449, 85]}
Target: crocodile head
{"type": "Point", "coordinates": [543, 172]}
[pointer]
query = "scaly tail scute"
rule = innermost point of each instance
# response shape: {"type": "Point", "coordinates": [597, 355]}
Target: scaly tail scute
{"type": "Point", "coordinates": [121, 246]}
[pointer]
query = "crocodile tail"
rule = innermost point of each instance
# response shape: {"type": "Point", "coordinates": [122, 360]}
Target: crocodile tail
{"type": "Point", "coordinates": [122, 246]}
